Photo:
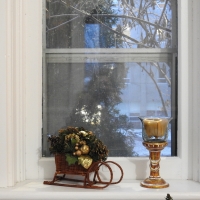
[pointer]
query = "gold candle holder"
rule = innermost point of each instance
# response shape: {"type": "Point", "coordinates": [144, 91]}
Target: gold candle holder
{"type": "Point", "coordinates": [154, 133]}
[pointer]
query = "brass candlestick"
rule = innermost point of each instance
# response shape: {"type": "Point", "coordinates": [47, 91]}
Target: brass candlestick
{"type": "Point", "coordinates": [154, 133]}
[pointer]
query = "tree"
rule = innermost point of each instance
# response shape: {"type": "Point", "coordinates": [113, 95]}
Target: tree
{"type": "Point", "coordinates": [96, 109]}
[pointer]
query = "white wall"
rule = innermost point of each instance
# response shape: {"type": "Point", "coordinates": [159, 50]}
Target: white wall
{"type": "Point", "coordinates": [21, 79]}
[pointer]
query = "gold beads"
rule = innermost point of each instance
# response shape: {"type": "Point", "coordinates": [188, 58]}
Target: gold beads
{"type": "Point", "coordinates": [81, 148]}
{"type": "Point", "coordinates": [78, 153]}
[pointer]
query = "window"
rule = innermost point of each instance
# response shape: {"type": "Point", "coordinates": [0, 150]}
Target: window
{"type": "Point", "coordinates": [103, 61]}
{"type": "Point", "coordinates": [21, 124]}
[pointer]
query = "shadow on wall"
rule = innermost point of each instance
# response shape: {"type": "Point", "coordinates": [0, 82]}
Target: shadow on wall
{"type": "Point", "coordinates": [141, 168]}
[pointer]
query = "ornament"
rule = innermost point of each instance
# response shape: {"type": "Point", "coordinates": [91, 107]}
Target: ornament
{"type": "Point", "coordinates": [78, 153]}
{"type": "Point", "coordinates": [82, 142]}
{"type": "Point", "coordinates": [85, 161]}
{"type": "Point", "coordinates": [84, 133]}
{"type": "Point", "coordinates": [85, 149]}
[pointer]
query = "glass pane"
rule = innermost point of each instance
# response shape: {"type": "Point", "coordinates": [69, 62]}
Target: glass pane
{"type": "Point", "coordinates": [107, 98]}
{"type": "Point", "coordinates": [110, 24]}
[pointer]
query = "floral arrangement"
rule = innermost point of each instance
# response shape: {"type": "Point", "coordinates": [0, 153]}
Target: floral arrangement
{"type": "Point", "coordinates": [79, 145]}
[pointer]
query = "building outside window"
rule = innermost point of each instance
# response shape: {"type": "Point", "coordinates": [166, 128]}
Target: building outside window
{"type": "Point", "coordinates": [107, 62]}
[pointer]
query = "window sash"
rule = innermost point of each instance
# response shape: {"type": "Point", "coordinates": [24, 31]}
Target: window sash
{"type": "Point", "coordinates": [115, 55]}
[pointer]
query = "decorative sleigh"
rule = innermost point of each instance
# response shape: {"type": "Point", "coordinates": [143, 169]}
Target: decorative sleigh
{"type": "Point", "coordinates": [77, 176]}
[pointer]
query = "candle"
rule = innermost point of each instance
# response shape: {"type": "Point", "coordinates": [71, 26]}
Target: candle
{"type": "Point", "coordinates": [155, 127]}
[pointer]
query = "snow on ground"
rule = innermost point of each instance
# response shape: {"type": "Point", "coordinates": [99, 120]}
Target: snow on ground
{"type": "Point", "coordinates": [142, 151]}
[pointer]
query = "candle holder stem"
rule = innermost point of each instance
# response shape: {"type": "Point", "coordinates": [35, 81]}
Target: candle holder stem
{"type": "Point", "coordinates": [154, 180]}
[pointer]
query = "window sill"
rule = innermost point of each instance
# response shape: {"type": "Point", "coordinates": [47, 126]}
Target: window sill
{"type": "Point", "coordinates": [35, 190]}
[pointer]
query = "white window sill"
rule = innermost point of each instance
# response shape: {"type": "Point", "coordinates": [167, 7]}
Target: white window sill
{"type": "Point", "coordinates": [36, 190]}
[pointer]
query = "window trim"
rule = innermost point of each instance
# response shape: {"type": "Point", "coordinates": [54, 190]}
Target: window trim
{"type": "Point", "coordinates": [21, 104]}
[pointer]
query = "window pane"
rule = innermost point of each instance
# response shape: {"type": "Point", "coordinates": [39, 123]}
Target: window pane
{"type": "Point", "coordinates": [107, 98]}
{"type": "Point", "coordinates": [110, 24]}
{"type": "Point", "coordinates": [106, 62]}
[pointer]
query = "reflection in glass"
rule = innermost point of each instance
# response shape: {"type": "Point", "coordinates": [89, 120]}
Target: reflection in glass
{"type": "Point", "coordinates": [111, 23]}
{"type": "Point", "coordinates": [95, 76]}
{"type": "Point", "coordinates": [107, 98]}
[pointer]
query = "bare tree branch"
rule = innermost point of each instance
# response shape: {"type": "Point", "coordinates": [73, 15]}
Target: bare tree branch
{"type": "Point", "coordinates": [149, 35]}
{"type": "Point", "coordinates": [160, 18]}
{"type": "Point", "coordinates": [62, 15]}
{"type": "Point", "coordinates": [124, 35]}
{"type": "Point", "coordinates": [62, 24]}
{"type": "Point", "coordinates": [159, 92]}
{"type": "Point", "coordinates": [140, 8]}
{"type": "Point", "coordinates": [142, 25]}
{"type": "Point", "coordinates": [164, 74]}
{"type": "Point", "coordinates": [135, 18]}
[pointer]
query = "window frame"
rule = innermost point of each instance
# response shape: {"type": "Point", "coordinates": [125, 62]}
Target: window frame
{"type": "Point", "coordinates": [21, 102]}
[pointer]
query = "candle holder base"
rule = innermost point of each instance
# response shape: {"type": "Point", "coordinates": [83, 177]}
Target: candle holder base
{"type": "Point", "coordinates": [157, 183]}
{"type": "Point", "coordinates": [154, 180]}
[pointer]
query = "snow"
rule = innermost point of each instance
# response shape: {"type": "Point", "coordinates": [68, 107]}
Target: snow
{"type": "Point", "coordinates": [142, 151]}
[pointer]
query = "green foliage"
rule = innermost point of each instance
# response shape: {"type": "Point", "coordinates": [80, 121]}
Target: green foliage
{"type": "Point", "coordinates": [102, 93]}
{"type": "Point", "coordinates": [71, 159]}
{"type": "Point", "coordinates": [96, 109]}
{"type": "Point", "coordinates": [57, 145]}
{"type": "Point", "coordinates": [71, 139]}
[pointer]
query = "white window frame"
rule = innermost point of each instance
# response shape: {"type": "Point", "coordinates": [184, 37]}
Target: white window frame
{"type": "Point", "coordinates": [21, 97]}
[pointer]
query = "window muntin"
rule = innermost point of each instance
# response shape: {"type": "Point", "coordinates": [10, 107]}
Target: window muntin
{"type": "Point", "coordinates": [71, 65]}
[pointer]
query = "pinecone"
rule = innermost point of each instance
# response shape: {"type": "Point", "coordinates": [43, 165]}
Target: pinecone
{"type": "Point", "coordinates": [168, 197]}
